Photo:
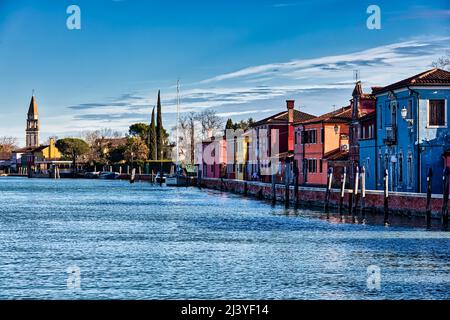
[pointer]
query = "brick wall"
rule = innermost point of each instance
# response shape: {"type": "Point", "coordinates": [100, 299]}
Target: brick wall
{"type": "Point", "coordinates": [399, 203]}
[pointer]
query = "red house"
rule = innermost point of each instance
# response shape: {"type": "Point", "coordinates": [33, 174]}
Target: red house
{"type": "Point", "coordinates": [284, 123]}
{"type": "Point", "coordinates": [213, 157]}
{"type": "Point", "coordinates": [319, 142]}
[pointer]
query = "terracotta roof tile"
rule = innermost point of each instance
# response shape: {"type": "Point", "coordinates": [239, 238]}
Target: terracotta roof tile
{"type": "Point", "coordinates": [428, 78]}
{"type": "Point", "coordinates": [282, 117]}
{"type": "Point", "coordinates": [5, 155]}
{"type": "Point", "coordinates": [336, 155]}
{"type": "Point", "coordinates": [341, 115]}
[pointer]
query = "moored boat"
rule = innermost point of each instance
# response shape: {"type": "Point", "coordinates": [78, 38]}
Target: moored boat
{"type": "Point", "coordinates": [176, 181]}
{"type": "Point", "coordinates": [109, 175]}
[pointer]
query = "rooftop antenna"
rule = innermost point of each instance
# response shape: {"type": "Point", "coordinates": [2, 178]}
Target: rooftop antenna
{"type": "Point", "coordinates": [334, 107]}
{"type": "Point", "coordinates": [356, 75]}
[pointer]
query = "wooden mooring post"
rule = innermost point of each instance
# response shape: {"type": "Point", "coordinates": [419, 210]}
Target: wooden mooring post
{"type": "Point", "coordinates": [274, 191]}
{"type": "Point", "coordinates": [296, 182]}
{"type": "Point", "coordinates": [287, 182]}
{"type": "Point", "coordinates": [341, 200]}
{"type": "Point", "coordinates": [386, 197]}
{"type": "Point", "coordinates": [363, 195]}
{"type": "Point", "coordinates": [445, 179]}
{"type": "Point", "coordinates": [355, 195]}
{"type": "Point", "coordinates": [428, 208]}
{"type": "Point", "coordinates": [328, 190]}
{"type": "Point", "coordinates": [199, 178]}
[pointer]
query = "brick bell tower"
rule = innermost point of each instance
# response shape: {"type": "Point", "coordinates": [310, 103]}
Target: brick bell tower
{"type": "Point", "coordinates": [32, 131]}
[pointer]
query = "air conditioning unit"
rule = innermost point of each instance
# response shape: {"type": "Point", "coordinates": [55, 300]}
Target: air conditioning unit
{"type": "Point", "coordinates": [344, 147]}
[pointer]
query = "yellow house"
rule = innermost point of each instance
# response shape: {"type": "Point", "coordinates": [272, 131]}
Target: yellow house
{"type": "Point", "coordinates": [46, 153]}
{"type": "Point", "coordinates": [241, 156]}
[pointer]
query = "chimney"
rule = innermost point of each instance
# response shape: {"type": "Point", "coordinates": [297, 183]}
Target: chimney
{"type": "Point", "coordinates": [290, 106]}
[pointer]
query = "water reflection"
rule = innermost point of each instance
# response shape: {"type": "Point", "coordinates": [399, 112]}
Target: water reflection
{"type": "Point", "coordinates": [145, 242]}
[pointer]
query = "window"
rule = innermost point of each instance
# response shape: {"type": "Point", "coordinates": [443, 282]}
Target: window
{"type": "Point", "coordinates": [410, 110]}
{"type": "Point", "coordinates": [437, 113]}
{"type": "Point", "coordinates": [310, 136]}
{"type": "Point", "coordinates": [400, 168]}
{"type": "Point", "coordinates": [409, 170]}
{"type": "Point", "coordinates": [380, 109]}
{"type": "Point", "coordinates": [313, 138]}
{"type": "Point", "coordinates": [386, 163]}
{"type": "Point", "coordinates": [312, 165]}
{"type": "Point", "coordinates": [322, 135]}
{"type": "Point", "coordinates": [394, 113]}
{"type": "Point", "coordinates": [321, 165]}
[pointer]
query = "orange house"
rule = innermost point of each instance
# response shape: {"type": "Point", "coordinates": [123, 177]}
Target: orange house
{"type": "Point", "coordinates": [320, 140]}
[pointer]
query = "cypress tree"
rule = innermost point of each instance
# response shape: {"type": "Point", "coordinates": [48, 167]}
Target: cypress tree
{"type": "Point", "coordinates": [229, 124]}
{"type": "Point", "coordinates": [152, 139]}
{"type": "Point", "coordinates": [159, 128]}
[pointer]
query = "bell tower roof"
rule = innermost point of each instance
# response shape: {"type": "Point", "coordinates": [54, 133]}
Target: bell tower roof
{"type": "Point", "coordinates": [32, 110]}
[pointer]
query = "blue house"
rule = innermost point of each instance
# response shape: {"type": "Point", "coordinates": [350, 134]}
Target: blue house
{"type": "Point", "coordinates": [413, 134]}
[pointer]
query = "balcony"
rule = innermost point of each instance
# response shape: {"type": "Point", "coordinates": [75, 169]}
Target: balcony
{"type": "Point", "coordinates": [391, 135]}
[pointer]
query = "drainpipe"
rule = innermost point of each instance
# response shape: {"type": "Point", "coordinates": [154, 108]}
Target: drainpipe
{"type": "Point", "coordinates": [376, 146]}
{"type": "Point", "coordinates": [419, 157]}
{"type": "Point", "coordinates": [304, 172]}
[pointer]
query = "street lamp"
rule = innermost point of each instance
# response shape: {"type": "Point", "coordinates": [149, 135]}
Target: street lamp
{"type": "Point", "coordinates": [404, 113]}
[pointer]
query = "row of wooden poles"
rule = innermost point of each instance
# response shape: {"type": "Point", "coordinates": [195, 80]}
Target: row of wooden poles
{"type": "Point", "coordinates": [357, 197]}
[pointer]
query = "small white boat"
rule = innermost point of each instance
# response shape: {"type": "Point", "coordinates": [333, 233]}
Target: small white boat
{"type": "Point", "coordinates": [92, 175]}
{"type": "Point", "coordinates": [176, 181]}
{"type": "Point", "coordinates": [158, 178]}
{"type": "Point", "coordinates": [109, 175]}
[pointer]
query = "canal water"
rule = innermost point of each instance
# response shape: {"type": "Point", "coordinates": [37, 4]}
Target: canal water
{"type": "Point", "coordinates": [145, 242]}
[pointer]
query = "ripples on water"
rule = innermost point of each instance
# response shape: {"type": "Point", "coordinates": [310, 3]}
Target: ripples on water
{"type": "Point", "coordinates": [145, 242]}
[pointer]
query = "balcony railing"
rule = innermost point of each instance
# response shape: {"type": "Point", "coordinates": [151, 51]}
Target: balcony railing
{"type": "Point", "coordinates": [391, 135]}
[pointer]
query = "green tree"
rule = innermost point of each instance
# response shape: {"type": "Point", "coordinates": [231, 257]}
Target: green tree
{"type": "Point", "coordinates": [159, 128]}
{"type": "Point", "coordinates": [152, 144]}
{"type": "Point", "coordinates": [117, 154]}
{"type": "Point", "coordinates": [140, 130]}
{"type": "Point", "coordinates": [136, 149]}
{"type": "Point", "coordinates": [229, 124]}
{"type": "Point", "coordinates": [72, 148]}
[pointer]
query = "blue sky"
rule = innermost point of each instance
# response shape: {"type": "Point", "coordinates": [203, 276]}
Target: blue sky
{"type": "Point", "coordinates": [242, 58]}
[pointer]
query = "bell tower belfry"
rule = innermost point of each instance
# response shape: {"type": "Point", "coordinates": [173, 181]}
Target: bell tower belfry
{"type": "Point", "coordinates": [32, 130]}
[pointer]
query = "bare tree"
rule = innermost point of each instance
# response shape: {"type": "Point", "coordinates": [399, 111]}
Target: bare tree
{"type": "Point", "coordinates": [188, 136]}
{"type": "Point", "coordinates": [195, 127]}
{"type": "Point", "coordinates": [210, 123]}
{"type": "Point", "coordinates": [443, 62]}
{"type": "Point", "coordinates": [98, 141]}
{"type": "Point", "coordinates": [8, 144]}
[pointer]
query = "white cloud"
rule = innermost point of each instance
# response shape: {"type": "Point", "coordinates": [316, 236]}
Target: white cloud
{"type": "Point", "coordinates": [316, 83]}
